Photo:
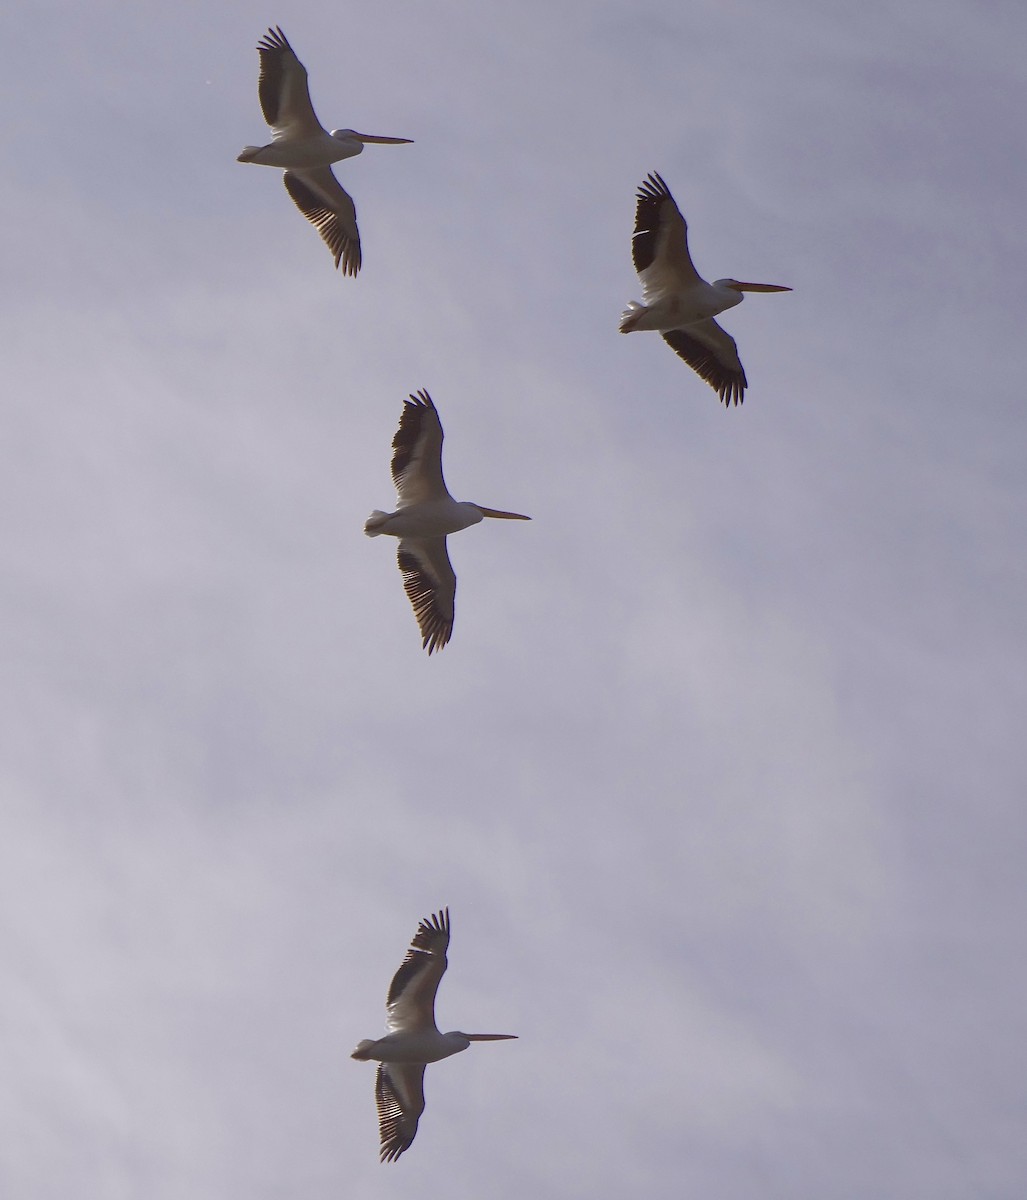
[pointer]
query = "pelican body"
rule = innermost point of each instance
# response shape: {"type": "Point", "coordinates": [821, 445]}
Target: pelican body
{"type": "Point", "coordinates": [431, 518]}
{"type": "Point", "coordinates": [425, 1047]}
{"type": "Point", "coordinates": [413, 1039]}
{"type": "Point", "coordinates": [305, 150]}
{"type": "Point", "coordinates": [678, 301]}
{"type": "Point", "coordinates": [425, 514]}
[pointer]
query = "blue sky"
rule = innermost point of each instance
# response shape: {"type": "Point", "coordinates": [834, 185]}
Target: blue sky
{"type": "Point", "coordinates": [721, 775]}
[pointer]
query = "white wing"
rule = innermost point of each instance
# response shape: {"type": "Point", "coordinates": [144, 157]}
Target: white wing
{"type": "Point", "coordinates": [399, 1094]}
{"type": "Point", "coordinates": [330, 209]}
{"type": "Point", "coordinates": [284, 95]}
{"type": "Point", "coordinates": [430, 584]}
{"type": "Point", "coordinates": [417, 453]}
{"type": "Point", "coordinates": [411, 999]}
{"type": "Point", "coordinates": [659, 246]}
{"type": "Point", "coordinates": [713, 355]}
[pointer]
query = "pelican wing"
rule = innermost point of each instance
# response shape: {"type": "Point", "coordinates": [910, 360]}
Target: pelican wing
{"type": "Point", "coordinates": [430, 584]}
{"type": "Point", "coordinates": [659, 247]}
{"type": "Point", "coordinates": [329, 208]}
{"type": "Point", "coordinates": [417, 453]}
{"type": "Point", "coordinates": [399, 1094]}
{"type": "Point", "coordinates": [284, 95]}
{"type": "Point", "coordinates": [713, 355]}
{"type": "Point", "coordinates": [411, 999]}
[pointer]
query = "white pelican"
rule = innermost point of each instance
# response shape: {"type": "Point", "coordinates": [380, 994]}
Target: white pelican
{"type": "Point", "coordinates": [425, 513]}
{"type": "Point", "coordinates": [678, 301]}
{"type": "Point", "coordinates": [413, 1039]}
{"type": "Point", "coordinates": [306, 150]}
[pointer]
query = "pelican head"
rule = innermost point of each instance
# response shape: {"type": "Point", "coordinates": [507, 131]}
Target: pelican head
{"type": "Point", "coordinates": [502, 516]}
{"type": "Point", "coordinates": [751, 287]}
{"type": "Point", "coordinates": [360, 140]}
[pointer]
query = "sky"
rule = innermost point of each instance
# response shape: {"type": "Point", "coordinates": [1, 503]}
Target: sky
{"type": "Point", "coordinates": [722, 773]}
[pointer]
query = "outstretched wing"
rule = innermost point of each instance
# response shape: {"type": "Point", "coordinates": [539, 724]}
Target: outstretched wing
{"type": "Point", "coordinates": [411, 999]}
{"type": "Point", "coordinates": [330, 209]}
{"type": "Point", "coordinates": [659, 247]}
{"type": "Point", "coordinates": [430, 584]}
{"type": "Point", "coordinates": [399, 1094]}
{"type": "Point", "coordinates": [713, 355]}
{"type": "Point", "coordinates": [284, 95]}
{"type": "Point", "coordinates": [417, 452]}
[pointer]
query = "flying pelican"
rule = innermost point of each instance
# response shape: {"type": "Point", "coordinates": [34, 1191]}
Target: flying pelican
{"type": "Point", "coordinates": [678, 301]}
{"type": "Point", "coordinates": [425, 513]}
{"type": "Point", "coordinates": [413, 1039]}
{"type": "Point", "coordinates": [306, 150]}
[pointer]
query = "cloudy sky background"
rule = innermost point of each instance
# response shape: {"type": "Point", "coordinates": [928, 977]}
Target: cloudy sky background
{"type": "Point", "coordinates": [722, 774]}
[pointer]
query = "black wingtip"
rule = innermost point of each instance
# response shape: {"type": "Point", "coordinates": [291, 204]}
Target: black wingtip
{"type": "Point", "coordinates": [436, 923]}
{"type": "Point", "coordinates": [653, 188]}
{"type": "Point", "coordinates": [274, 40]}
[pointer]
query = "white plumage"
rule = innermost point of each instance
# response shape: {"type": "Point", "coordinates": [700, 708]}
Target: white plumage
{"type": "Point", "coordinates": [678, 301]}
{"type": "Point", "coordinates": [306, 150]}
{"type": "Point", "coordinates": [413, 1039]}
{"type": "Point", "coordinates": [425, 514]}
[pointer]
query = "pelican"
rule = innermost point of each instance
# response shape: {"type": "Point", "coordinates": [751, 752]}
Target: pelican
{"type": "Point", "coordinates": [306, 150]}
{"type": "Point", "coordinates": [425, 513]}
{"type": "Point", "coordinates": [678, 301]}
{"type": "Point", "coordinates": [413, 1039]}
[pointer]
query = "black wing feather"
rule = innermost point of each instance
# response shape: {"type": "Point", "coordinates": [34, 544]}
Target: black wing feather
{"type": "Point", "coordinates": [405, 441]}
{"type": "Point", "coordinates": [434, 620]}
{"type": "Point", "coordinates": [345, 249]}
{"type": "Point", "coordinates": [651, 196]}
{"type": "Point", "coordinates": [396, 1128]}
{"type": "Point", "coordinates": [273, 47]}
{"type": "Point", "coordinates": [729, 384]}
{"type": "Point", "coordinates": [432, 937]}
